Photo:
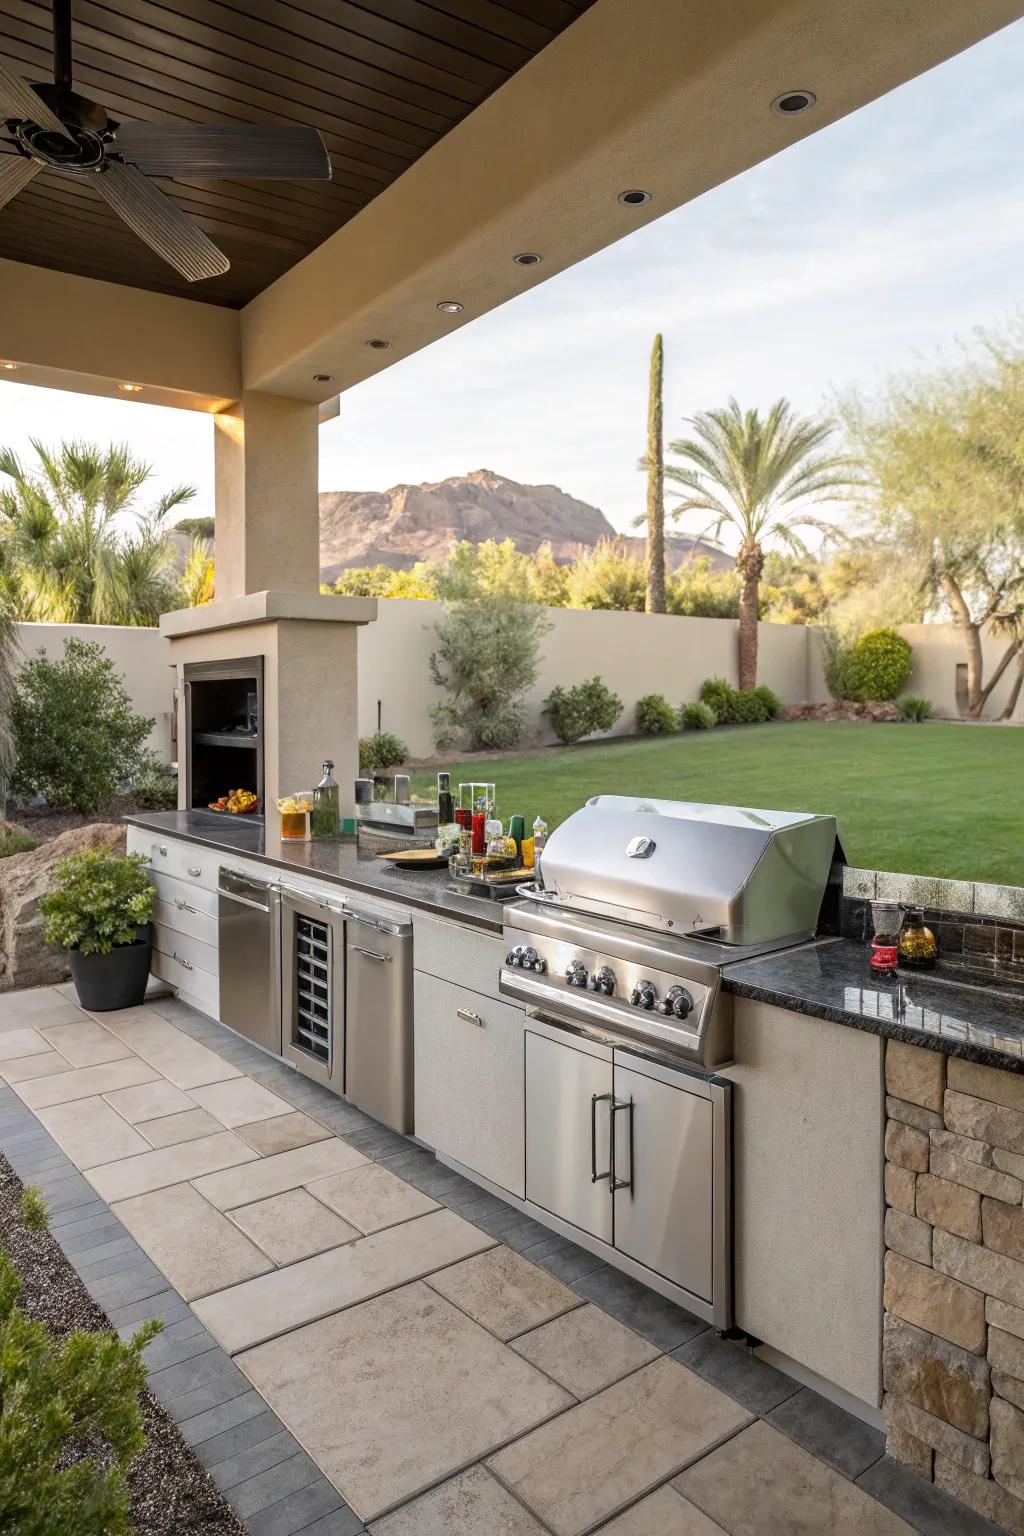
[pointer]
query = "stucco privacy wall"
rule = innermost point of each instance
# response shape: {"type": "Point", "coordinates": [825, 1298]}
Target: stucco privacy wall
{"type": "Point", "coordinates": [635, 653]}
{"type": "Point", "coordinates": [938, 649]}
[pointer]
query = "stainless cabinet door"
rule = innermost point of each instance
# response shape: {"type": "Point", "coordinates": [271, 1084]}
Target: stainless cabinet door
{"type": "Point", "coordinates": [664, 1217]}
{"type": "Point", "coordinates": [568, 1133]}
{"type": "Point", "coordinates": [378, 1025]}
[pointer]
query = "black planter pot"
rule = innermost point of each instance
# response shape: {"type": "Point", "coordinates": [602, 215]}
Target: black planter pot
{"type": "Point", "coordinates": [117, 980]}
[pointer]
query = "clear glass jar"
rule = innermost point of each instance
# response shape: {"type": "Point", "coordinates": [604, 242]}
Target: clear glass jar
{"type": "Point", "coordinates": [917, 944]}
{"type": "Point", "coordinates": [295, 812]}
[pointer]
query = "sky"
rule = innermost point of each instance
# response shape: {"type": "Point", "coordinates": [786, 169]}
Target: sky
{"type": "Point", "coordinates": [860, 250]}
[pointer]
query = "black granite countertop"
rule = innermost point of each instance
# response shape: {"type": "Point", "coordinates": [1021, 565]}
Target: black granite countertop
{"type": "Point", "coordinates": [943, 1010]}
{"type": "Point", "coordinates": [425, 889]}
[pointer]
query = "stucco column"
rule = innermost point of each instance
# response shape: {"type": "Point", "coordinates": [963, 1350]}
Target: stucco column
{"type": "Point", "coordinates": [267, 511]}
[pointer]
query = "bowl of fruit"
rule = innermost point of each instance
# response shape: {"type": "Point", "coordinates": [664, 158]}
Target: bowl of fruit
{"type": "Point", "coordinates": [237, 802]}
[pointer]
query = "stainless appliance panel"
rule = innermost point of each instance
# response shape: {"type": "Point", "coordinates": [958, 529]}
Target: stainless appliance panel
{"type": "Point", "coordinates": [379, 1018]}
{"type": "Point", "coordinates": [664, 1151]}
{"type": "Point", "coordinates": [313, 987]}
{"type": "Point", "coordinates": [249, 957]}
{"type": "Point", "coordinates": [568, 1133]}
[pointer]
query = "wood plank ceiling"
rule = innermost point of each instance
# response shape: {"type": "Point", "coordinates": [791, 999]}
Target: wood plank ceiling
{"type": "Point", "coordinates": [383, 80]}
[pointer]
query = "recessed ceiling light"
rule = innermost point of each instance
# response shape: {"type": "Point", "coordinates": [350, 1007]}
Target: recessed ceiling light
{"type": "Point", "coordinates": [526, 259]}
{"type": "Point", "coordinates": [450, 307]}
{"type": "Point", "coordinates": [322, 378]}
{"type": "Point", "coordinates": [9, 367]}
{"type": "Point", "coordinates": [130, 389]}
{"type": "Point", "coordinates": [790, 103]}
{"type": "Point", "coordinates": [634, 196]}
{"type": "Point", "coordinates": [378, 344]}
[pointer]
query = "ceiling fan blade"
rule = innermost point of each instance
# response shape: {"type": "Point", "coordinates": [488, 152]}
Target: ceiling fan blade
{"type": "Point", "coordinates": [19, 101]}
{"type": "Point", "coordinates": [160, 222]}
{"type": "Point", "coordinates": [15, 172]}
{"type": "Point", "coordinates": [245, 150]}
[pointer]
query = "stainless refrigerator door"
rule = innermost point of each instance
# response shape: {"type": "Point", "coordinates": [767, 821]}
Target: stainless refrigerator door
{"type": "Point", "coordinates": [250, 959]}
{"type": "Point", "coordinates": [378, 1021]}
{"type": "Point", "coordinates": [313, 988]}
{"type": "Point", "coordinates": [664, 1165]}
{"type": "Point", "coordinates": [568, 1140]}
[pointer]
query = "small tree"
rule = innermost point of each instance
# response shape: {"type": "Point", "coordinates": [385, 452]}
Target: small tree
{"type": "Point", "coordinates": [76, 735]}
{"type": "Point", "coordinates": [486, 661]}
{"type": "Point", "coordinates": [655, 466]}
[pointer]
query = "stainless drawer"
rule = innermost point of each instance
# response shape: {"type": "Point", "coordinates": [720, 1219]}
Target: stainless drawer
{"type": "Point", "coordinates": [194, 985]}
{"type": "Point", "coordinates": [184, 894]}
{"type": "Point", "coordinates": [453, 952]}
{"type": "Point", "coordinates": [185, 861]}
{"type": "Point", "coordinates": [192, 953]}
{"type": "Point", "coordinates": [181, 916]}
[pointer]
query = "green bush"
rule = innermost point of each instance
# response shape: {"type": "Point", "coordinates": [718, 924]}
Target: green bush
{"type": "Point", "coordinates": [876, 666]}
{"type": "Point", "coordinates": [582, 710]}
{"type": "Point", "coordinates": [914, 709]}
{"type": "Point", "coordinates": [733, 706]}
{"type": "Point", "coordinates": [99, 901]}
{"type": "Point", "coordinates": [697, 717]}
{"type": "Point", "coordinates": [155, 787]}
{"type": "Point", "coordinates": [76, 735]}
{"type": "Point", "coordinates": [655, 715]}
{"type": "Point", "coordinates": [61, 1398]}
{"type": "Point", "coordinates": [769, 700]}
{"type": "Point", "coordinates": [380, 751]}
{"type": "Point", "coordinates": [16, 840]}
{"type": "Point", "coordinates": [486, 661]}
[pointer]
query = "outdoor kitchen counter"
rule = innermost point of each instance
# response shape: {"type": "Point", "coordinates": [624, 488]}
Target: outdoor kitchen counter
{"type": "Point", "coordinates": [830, 979]}
{"type": "Point", "coordinates": [426, 890]}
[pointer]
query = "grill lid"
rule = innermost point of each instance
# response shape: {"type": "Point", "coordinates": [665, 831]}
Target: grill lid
{"type": "Point", "coordinates": [738, 875]}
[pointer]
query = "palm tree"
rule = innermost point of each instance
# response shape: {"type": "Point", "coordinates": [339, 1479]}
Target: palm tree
{"type": "Point", "coordinates": [757, 476]}
{"type": "Point", "coordinates": [655, 465]}
{"type": "Point", "coordinates": [66, 556]}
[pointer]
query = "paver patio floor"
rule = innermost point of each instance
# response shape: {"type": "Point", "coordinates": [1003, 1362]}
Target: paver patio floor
{"type": "Point", "coordinates": [446, 1364]}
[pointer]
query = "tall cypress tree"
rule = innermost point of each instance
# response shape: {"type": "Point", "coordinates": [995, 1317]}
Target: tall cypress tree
{"type": "Point", "coordinates": [655, 464]}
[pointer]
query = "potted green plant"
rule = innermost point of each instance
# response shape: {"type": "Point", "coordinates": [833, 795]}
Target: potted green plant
{"type": "Point", "coordinates": [99, 911]}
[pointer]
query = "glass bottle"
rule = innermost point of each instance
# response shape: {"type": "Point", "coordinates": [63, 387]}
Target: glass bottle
{"type": "Point", "coordinates": [885, 916]}
{"type": "Point", "coordinates": [445, 801]}
{"type": "Point", "coordinates": [917, 944]}
{"type": "Point", "coordinates": [327, 806]}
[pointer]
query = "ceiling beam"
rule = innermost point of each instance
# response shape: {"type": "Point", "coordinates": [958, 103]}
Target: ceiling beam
{"type": "Point", "coordinates": [66, 332]}
{"type": "Point", "coordinates": [668, 97]}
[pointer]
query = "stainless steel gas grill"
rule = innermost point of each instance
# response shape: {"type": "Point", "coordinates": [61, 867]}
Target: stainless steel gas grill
{"type": "Point", "coordinates": [643, 902]}
{"type": "Point", "coordinates": [618, 955]}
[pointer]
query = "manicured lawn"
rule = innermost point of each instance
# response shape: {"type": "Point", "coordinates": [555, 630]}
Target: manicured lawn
{"type": "Point", "coordinates": [935, 799]}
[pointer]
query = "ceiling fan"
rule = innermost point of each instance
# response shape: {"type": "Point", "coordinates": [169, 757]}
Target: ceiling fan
{"type": "Point", "coordinates": [52, 128]}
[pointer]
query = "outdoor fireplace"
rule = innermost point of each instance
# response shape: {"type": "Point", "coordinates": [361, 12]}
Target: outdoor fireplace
{"type": "Point", "coordinates": [223, 725]}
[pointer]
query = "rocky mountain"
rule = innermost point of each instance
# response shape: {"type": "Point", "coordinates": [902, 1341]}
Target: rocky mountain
{"type": "Point", "coordinates": [423, 522]}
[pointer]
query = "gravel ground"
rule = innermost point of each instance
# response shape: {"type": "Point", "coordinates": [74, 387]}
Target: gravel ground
{"type": "Point", "coordinates": [170, 1493]}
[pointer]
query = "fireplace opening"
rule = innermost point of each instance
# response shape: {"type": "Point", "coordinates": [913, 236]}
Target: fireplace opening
{"type": "Point", "coordinates": [223, 724]}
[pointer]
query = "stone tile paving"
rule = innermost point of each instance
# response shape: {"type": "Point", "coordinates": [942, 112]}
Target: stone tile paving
{"type": "Point", "coordinates": [413, 1356]}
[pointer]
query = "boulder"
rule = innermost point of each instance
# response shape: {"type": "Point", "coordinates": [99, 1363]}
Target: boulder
{"type": "Point", "coordinates": [25, 961]}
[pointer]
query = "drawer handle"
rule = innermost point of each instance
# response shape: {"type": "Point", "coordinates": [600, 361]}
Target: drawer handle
{"type": "Point", "coordinates": [195, 870]}
{"type": "Point", "coordinates": [470, 1017]}
{"type": "Point", "coordinates": [182, 961]}
{"type": "Point", "coordinates": [161, 849]}
{"type": "Point", "coordinates": [371, 954]}
{"type": "Point", "coordinates": [183, 906]}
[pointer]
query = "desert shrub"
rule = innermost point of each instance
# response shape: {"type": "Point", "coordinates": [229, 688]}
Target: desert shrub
{"type": "Point", "coordinates": [915, 709]}
{"type": "Point", "coordinates": [876, 666]}
{"type": "Point", "coordinates": [608, 576]}
{"type": "Point", "coordinates": [735, 706]}
{"type": "Point", "coordinates": [486, 661]}
{"type": "Point", "coordinates": [155, 787]}
{"type": "Point", "coordinates": [76, 735]}
{"type": "Point", "coordinates": [14, 839]}
{"type": "Point", "coordinates": [697, 590]}
{"type": "Point", "coordinates": [99, 900]}
{"type": "Point", "coordinates": [770, 700]}
{"type": "Point", "coordinates": [582, 710]}
{"type": "Point", "coordinates": [60, 1397]}
{"type": "Point", "coordinates": [697, 717]}
{"type": "Point", "coordinates": [33, 1210]}
{"type": "Point", "coordinates": [655, 715]}
{"type": "Point", "coordinates": [380, 751]}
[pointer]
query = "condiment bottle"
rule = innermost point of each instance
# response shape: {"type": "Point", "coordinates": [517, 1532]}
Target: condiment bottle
{"type": "Point", "coordinates": [327, 806]}
{"type": "Point", "coordinates": [478, 840]}
{"type": "Point", "coordinates": [540, 837]}
{"type": "Point", "coordinates": [517, 832]}
{"type": "Point", "coordinates": [917, 945]}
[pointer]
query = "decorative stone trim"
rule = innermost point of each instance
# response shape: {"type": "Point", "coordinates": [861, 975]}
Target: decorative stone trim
{"type": "Point", "coordinates": [953, 1342]}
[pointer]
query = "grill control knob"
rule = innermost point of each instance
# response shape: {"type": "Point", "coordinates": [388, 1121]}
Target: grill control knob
{"type": "Point", "coordinates": [643, 995]}
{"type": "Point", "coordinates": [682, 1005]}
{"type": "Point", "coordinates": [576, 974]}
{"type": "Point", "coordinates": [515, 956]}
{"type": "Point", "coordinates": [603, 981]}
{"type": "Point", "coordinates": [677, 1003]}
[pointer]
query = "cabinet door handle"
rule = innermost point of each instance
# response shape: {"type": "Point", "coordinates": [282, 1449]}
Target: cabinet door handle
{"type": "Point", "coordinates": [182, 961]}
{"type": "Point", "coordinates": [371, 954]}
{"type": "Point", "coordinates": [470, 1017]}
{"type": "Point", "coordinates": [195, 870]}
{"type": "Point", "coordinates": [595, 1100]}
{"type": "Point", "coordinates": [614, 1181]}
